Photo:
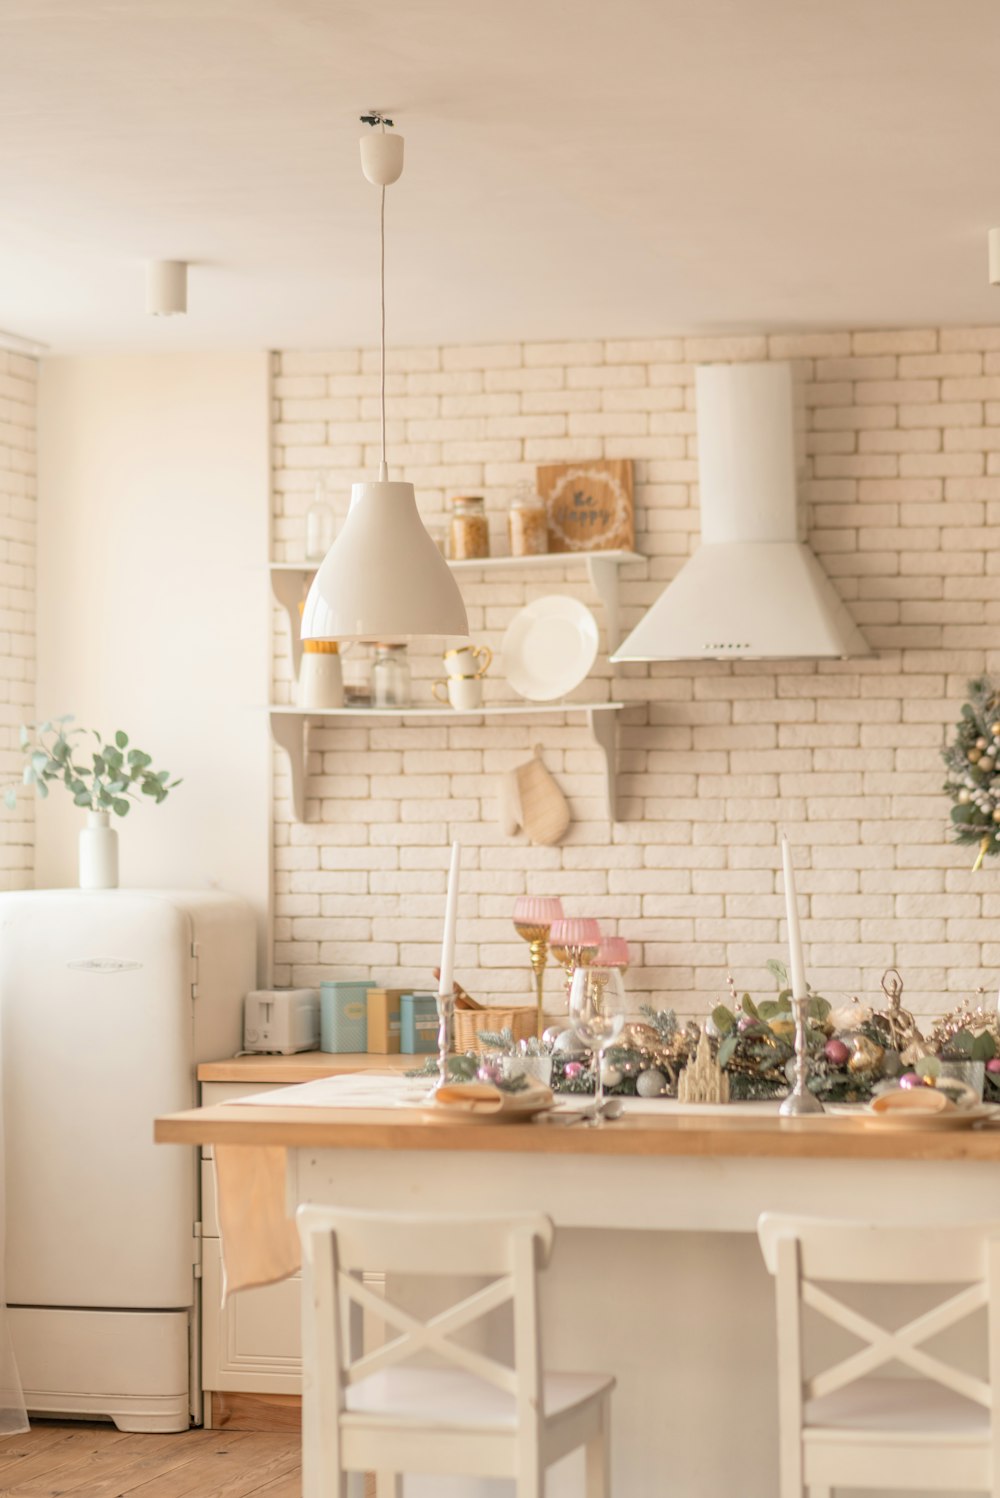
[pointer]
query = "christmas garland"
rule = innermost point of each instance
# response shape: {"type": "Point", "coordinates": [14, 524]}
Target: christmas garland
{"type": "Point", "coordinates": [973, 779]}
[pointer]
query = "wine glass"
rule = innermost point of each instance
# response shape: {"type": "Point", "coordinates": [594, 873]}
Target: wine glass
{"type": "Point", "coordinates": [597, 1014]}
{"type": "Point", "coordinates": [533, 918]}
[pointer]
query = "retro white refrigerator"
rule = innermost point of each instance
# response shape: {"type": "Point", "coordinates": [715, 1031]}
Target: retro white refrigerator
{"type": "Point", "coordinates": [108, 1001]}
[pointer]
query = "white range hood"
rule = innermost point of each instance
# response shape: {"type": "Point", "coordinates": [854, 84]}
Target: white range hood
{"type": "Point", "coordinates": [752, 590]}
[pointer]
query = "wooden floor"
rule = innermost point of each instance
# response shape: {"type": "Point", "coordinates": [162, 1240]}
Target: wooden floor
{"type": "Point", "coordinates": [97, 1461]}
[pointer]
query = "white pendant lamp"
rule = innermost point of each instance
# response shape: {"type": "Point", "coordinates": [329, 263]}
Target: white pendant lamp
{"type": "Point", "coordinates": [384, 579]}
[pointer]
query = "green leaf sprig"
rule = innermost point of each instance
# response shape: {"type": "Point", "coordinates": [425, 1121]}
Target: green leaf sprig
{"type": "Point", "coordinates": [106, 776]}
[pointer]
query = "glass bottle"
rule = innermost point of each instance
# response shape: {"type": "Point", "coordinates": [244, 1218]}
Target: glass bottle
{"type": "Point", "coordinates": [470, 531]}
{"type": "Point", "coordinates": [391, 681]}
{"type": "Point", "coordinates": [321, 522]}
{"type": "Point", "coordinates": [528, 524]}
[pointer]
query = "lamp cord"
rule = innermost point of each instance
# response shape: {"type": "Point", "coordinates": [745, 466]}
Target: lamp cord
{"type": "Point", "coordinates": [381, 245]}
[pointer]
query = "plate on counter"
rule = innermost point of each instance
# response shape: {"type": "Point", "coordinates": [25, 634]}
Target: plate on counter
{"type": "Point", "coordinates": [481, 1103]}
{"type": "Point", "coordinates": [905, 1120]}
{"type": "Point", "coordinates": [549, 647]}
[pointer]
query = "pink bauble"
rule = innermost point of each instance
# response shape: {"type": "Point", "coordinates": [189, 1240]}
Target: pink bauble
{"type": "Point", "coordinates": [572, 1069]}
{"type": "Point", "coordinates": [910, 1079]}
{"type": "Point", "coordinates": [836, 1052]}
{"type": "Point", "coordinates": [993, 1065]}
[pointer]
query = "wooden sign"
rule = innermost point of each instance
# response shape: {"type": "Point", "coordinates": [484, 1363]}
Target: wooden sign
{"type": "Point", "coordinates": [589, 505]}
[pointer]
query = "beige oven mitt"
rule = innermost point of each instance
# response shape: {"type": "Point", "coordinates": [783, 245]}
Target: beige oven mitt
{"type": "Point", "coordinates": [531, 801]}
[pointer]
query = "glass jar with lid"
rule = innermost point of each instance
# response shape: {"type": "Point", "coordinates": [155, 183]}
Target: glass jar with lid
{"type": "Point", "coordinates": [528, 524]}
{"type": "Point", "coordinates": [391, 680]}
{"type": "Point", "coordinates": [321, 521]}
{"type": "Point", "coordinates": [470, 530]}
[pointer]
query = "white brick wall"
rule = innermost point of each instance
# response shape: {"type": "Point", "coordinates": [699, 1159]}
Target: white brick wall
{"type": "Point", "coordinates": [18, 377]}
{"type": "Point", "coordinates": [903, 495]}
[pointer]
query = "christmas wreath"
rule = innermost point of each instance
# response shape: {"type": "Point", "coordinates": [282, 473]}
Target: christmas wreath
{"type": "Point", "coordinates": [973, 761]}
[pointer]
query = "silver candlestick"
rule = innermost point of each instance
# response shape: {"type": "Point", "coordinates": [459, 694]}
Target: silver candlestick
{"type": "Point", "coordinates": [445, 1009]}
{"type": "Point", "coordinates": [800, 1102]}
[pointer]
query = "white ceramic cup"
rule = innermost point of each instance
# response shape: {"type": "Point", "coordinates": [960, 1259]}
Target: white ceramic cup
{"type": "Point", "coordinates": [468, 660]}
{"type": "Point", "coordinates": [465, 693]}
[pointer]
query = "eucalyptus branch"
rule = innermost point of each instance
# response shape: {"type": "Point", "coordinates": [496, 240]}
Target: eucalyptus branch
{"type": "Point", "coordinates": [106, 775]}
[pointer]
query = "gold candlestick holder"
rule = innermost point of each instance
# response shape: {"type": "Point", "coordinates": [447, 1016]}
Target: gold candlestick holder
{"type": "Point", "coordinates": [572, 957]}
{"type": "Point", "coordinates": [537, 938]}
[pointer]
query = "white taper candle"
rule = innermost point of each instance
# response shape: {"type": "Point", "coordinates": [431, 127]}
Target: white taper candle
{"type": "Point", "coordinates": [797, 967]}
{"type": "Point", "coordinates": [450, 918]}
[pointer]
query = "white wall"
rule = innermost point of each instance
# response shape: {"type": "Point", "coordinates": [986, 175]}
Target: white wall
{"type": "Point", "coordinates": [153, 608]}
{"type": "Point", "coordinates": [901, 495]}
{"type": "Point", "coordinates": [18, 389]}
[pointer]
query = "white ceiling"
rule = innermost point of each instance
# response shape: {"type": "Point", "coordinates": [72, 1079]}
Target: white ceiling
{"type": "Point", "coordinates": [574, 167]}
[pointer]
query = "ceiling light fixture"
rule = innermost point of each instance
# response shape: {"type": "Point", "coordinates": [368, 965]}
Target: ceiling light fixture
{"type": "Point", "coordinates": [384, 578]}
{"type": "Point", "coordinates": [166, 287]}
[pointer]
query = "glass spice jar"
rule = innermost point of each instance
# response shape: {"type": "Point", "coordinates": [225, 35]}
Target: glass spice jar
{"type": "Point", "coordinates": [470, 531]}
{"type": "Point", "coordinates": [391, 680]}
{"type": "Point", "coordinates": [528, 524]}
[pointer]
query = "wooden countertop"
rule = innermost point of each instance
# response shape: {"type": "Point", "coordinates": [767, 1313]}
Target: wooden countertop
{"type": "Point", "coordinates": [306, 1066]}
{"type": "Point", "coordinates": [832, 1137]}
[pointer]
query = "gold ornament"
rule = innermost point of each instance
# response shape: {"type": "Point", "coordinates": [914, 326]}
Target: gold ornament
{"type": "Point", "coordinates": [866, 1055]}
{"type": "Point", "coordinates": [981, 743]}
{"type": "Point", "coordinates": [638, 1037]}
{"type": "Point", "coordinates": [895, 1025]}
{"type": "Point", "coordinates": [995, 730]}
{"type": "Point", "coordinates": [975, 756]}
{"type": "Point", "coordinates": [978, 1019]}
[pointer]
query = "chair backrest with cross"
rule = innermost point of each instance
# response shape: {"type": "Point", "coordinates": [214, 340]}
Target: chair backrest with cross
{"type": "Point", "coordinates": [807, 1256]}
{"type": "Point", "coordinates": [338, 1246]}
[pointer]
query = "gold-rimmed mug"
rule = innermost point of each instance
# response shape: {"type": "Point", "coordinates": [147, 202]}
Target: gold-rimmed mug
{"type": "Point", "coordinates": [464, 693]}
{"type": "Point", "coordinates": [468, 660]}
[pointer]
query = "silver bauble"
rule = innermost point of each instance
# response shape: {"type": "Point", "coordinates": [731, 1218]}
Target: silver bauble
{"type": "Point", "coordinates": [552, 1034]}
{"type": "Point", "coordinates": [569, 1044]}
{"type": "Point", "coordinates": [610, 1075]}
{"type": "Point", "coordinates": [650, 1083]}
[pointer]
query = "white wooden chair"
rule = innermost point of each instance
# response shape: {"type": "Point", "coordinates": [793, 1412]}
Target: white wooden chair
{"type": "Point", "coordinates": [850, 1426]}
{"type": "Point", "coordinates": [474, 1415]}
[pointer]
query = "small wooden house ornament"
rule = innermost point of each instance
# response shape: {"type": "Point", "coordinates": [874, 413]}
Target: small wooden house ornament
{"type": "Point", "coordinates": [703, 1080]}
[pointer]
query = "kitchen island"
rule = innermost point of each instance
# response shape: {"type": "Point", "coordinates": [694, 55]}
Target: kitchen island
{"type": "Point", "coordinates": [656, 1275]}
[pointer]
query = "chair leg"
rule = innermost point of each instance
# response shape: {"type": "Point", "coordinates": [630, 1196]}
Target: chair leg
{"type": "Point", "coordinates": [388, 1485]}
{"type": "Point", "coordinates": [597, 1457]}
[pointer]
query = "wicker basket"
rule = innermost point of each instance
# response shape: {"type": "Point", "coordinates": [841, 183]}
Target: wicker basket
{"type": "Point", "coordinates": [469, 1023]}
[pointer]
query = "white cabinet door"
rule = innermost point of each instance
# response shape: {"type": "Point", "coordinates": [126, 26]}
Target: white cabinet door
{"type": "Point", "coordinates": [253, 1345]}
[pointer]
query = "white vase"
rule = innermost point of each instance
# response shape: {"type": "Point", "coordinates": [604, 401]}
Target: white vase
{"type": "Point", "coordinates": [98, 852]}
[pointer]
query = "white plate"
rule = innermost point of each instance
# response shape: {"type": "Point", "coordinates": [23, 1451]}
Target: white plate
{"type": "Point", "coordinates": [549, 647]}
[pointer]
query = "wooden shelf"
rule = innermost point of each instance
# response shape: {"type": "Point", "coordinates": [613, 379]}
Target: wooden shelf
{"type": "Point", "coordinates": [289, 729]}
{"type": "Point", "coordinates": [288, 581]}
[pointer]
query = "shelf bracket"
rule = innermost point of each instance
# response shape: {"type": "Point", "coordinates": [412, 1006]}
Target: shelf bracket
{"type": "Point", "coordinates": [289, 731]}
{"type": "Point", "coordinates": [603, 724]}
{"type": "Point", "coordinates": [603, 574]}
{"type": "Point", "coordinates": [287, 590]}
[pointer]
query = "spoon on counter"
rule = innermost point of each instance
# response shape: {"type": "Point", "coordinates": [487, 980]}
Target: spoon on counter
{"type": "Point", "coordinates": [611, 1108]}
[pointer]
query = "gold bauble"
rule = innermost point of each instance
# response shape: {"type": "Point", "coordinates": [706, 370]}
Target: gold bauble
{"type": "Point", "coordinates": [975, 755]}
{"type": "Point", "coordinates": [638, 1037]}
{"type": "Point", "coordinates": [783, 1028]}
{"type": "Point", "coordinates": [981, 743]}
{"type": "Point", "coordinates": [866, 1055]}
{"type": "Point", "coordinates": [995, 730]}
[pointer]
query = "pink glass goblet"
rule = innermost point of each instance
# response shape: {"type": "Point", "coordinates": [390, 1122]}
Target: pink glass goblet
{"type": "Point", "coordinates": [533, 919]}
